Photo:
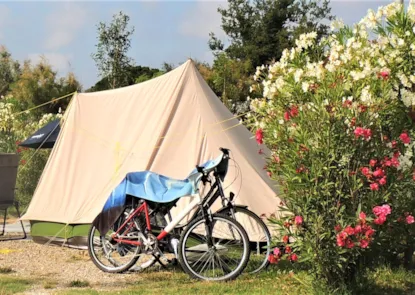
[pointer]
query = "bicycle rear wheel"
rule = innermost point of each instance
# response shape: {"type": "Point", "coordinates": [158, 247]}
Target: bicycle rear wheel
{"type": "Point", "coordinates": [111, 256]}
{"type": "Point", "coordinates": [259, 236]}
{"type": "Point", "coordinates": [217, 251]}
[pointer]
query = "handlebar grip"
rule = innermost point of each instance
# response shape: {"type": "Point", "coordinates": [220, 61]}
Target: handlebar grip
{"type": "Point", "coordinates": [199, 168]}
{"type": "Point", "coordinates": [225, 151]}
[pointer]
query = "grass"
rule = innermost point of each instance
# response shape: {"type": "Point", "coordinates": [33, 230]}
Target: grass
{"type": "Point", "coordinates": [179, 283]}
{"type": "Point", "coordinates": [387, 281]}
{"type": "Point", "coordinates": [5, 270]}
{"type": "Point", "coordinates": [13, 285]}
{"type": "Point", "coordinates": [78, 284]}
{"type": "Point", "coordinates": [381, 281]}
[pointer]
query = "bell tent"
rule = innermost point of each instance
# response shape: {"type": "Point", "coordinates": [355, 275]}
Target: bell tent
{"type": "Point", "coordinates": [165, 125]}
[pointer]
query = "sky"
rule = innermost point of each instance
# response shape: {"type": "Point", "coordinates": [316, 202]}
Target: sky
{"type": "Point", "coordinates": [65, 32]}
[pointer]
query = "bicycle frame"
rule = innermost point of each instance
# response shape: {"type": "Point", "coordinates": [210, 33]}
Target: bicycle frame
{"type": "Point", "coordinates": [169, 227]}
{"type": "Point", "coordinates": [213, 194]}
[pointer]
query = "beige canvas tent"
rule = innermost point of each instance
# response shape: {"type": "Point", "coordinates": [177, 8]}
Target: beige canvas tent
{"type": "Point", "coordinates": [166, 125]}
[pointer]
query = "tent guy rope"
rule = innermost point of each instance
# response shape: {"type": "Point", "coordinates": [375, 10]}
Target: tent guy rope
{"type": "Point", "coordinates": [43, 104]}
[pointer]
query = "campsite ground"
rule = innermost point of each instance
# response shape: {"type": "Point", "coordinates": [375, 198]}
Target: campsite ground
{"type": "Point", "coordinates": [30, 268]}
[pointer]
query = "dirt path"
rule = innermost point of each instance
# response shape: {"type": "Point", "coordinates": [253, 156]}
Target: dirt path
{"type": "Point", "coordinates": [56, 267]}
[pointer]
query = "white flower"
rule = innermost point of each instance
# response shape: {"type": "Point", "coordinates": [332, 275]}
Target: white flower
{"type": "Point", "coordinates": [281, 122]}
{"type": "Point", "coordinates": [366, 96]}
{"type": "Point", "coordinates": [305, 86]}
{"type": "Point", "coordinates": [337, 24]}
{"type": "Point", "coordinates": [408, 97]}
{"type": "Point", "coordinates": [404, 80]}
{"type": "Point", "coordinates": [279, 83]}
{"type": "Point", "coordinates": [297, 75]}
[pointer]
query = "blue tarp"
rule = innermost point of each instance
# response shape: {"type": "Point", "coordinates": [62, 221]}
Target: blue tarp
{"type": "Point", "coordinates": [149, 186]}
{"type": "Point", "coordinates": [155, 187]}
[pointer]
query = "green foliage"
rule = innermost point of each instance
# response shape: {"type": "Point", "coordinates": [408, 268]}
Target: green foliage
{"type": "Point", "coordinates": [78, 284]}
{"type": "Point", "coordinates": [134, 74]}
{"type": "Point", "coordinates": [112, 48]}
{"type": "Point", "coordinates": [13, 130]}
{"type": "Point", "coordinates": [9, 71]}
{"type": "Point", "coordinates": [12, 285]}
{"type": "Point", "coordinates": [336, 114]}
{"type": "Point", "coordinates": [259, 30]}
{"type": "Point", "coordinates": [230, 79]}
{"type": "Point", "coordinates": [38, 84]}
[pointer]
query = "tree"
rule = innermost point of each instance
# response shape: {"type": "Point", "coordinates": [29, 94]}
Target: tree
{"type": "Point", "coordinates": [9, 70]}
{"type": "Point", "coordinates": [259, 30]}
{"type": "Point", "coordinates": [134, 74]}
{"type": "Point", "coordinates": [39, 84]}
{"type": "Point", "coordinates": [112, 48]}
{"type": "Point", "coordinates": [231, 81]}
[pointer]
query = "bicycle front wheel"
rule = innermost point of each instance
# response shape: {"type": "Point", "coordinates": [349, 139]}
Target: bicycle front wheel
{"type": "Point", "coordinates": [214, 251]}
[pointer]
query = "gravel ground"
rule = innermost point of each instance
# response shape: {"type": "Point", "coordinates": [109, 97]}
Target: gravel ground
{"type": "Point", "coordinates": [56, 265]}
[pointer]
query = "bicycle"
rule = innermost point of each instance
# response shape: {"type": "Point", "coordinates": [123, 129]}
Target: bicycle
{"type": "Point", "coordinates": [260, 238]}
{"type": "Point", "coordinates": [213, 241]}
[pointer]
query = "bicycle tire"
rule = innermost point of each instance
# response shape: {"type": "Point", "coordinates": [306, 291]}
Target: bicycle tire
{"type": "Point", "coordinates": [99, 264]}
{"type": "Point", "coordinates": [200, 220]}
{"type": "Point", "coordinates": [266, 233]}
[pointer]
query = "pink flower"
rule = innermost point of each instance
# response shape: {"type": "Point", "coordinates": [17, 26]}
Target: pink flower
{"type": "Point", "coordinates": [276, 251]}
{"type": "Point", "coordinates": [349, 230]}
{"type": "Point", "coordinates": [369, 232]}
{"type": "Point", "coordinates": [343, 235]}
{"type": "Point", "coordinates": [349, 244]}
{"type": "Point", "coordinates": [357, 229]}
{"type": "Point", "coordinates": [288, 250]}
{"type": "Point", "coordinates": [340, 242]}
{"type": "Point", "coordinates": [380, 220]}
{"type": "Point", "coordinates": [382, 210]}
{"type": "Point", "coordinates": [362, 216]}
{"type": "Point", "coordinates": [338, 228]}
{"type": "Point", "coordinates": [364, 243]}
{"type": "Point", "coordinates": [277, 159]}
{"type": "Point", "coordinates": [382, 181]}
{"type": "Point", "coordinates": [365, 171]}
{"type": "Point", "coordinates": [294, 111]}
{"type": "Point", "coordinates": [404, 137]}
{"type": "Point", "coordinates": [410, 219]}
{"type": "Point", "coordinates": [395, 162]}
{"type": "Point", "coordinates": [269, 173]}
{"type": "Point", "coordinates": [374, 186]}
{"type": "Point", "coordinates": [358, 131]}
{"type": "Point", "coordinates": [287, 116]}
{"type": "Point", "coordinates": [367, 133]}
{"type": "Point", "coordinates": [285, 239]}
{"type": "Point", "coordinates": [378, 173]}
{"type": "Point", "coordinates": [384, 75]}
{"type": "Point", "coordinates": [272, 259]}
{"type": "Point", "coordinates": [298, 220]}
{"type": "Point", "coordinates": [293, 257]}
{"type": "Point", "coordinates": [372, 162]}
{"type": "Point", "coordinates": [259, 135]}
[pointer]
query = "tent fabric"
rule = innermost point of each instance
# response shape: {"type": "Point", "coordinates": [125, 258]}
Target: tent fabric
{"type": "Point", "coordinates": [166, 125]}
